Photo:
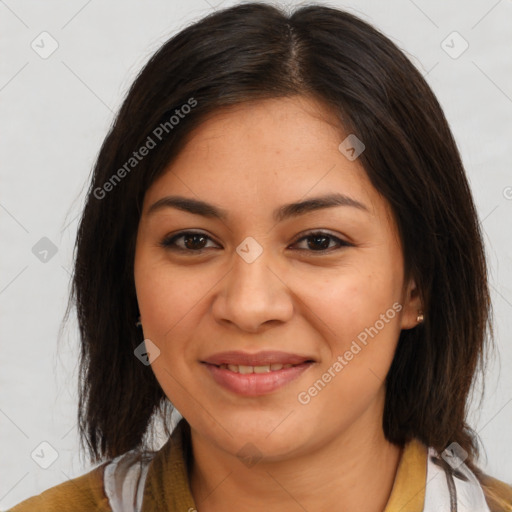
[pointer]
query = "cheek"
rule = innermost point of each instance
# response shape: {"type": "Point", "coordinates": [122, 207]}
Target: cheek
{"type": "Point", "coordinates": [358, 314]}
{"type": "Point", "coordinates": [351, 300]}
{"type": "Point", "coordinates": [165, 297]}
{"type": "Point", "coordinates": [169, 302]}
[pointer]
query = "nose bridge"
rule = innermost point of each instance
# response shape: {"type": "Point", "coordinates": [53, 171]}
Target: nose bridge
{"type": "Point", "coordinates": [252, 293]}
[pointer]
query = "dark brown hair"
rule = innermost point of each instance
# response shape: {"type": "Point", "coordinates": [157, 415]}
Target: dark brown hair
{"type": "Point", "coordinates": [254, 51]}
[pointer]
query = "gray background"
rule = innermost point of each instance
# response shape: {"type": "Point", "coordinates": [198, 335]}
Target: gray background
{"type": "Point", "coordinates": [55, 112]}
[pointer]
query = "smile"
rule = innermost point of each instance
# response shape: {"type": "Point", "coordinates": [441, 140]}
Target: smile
{"type": "Point", "coordinates": [252, 381]}
{"type": "Point", "coordinates": [255, 369]}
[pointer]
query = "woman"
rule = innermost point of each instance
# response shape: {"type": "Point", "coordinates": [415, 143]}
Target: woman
{"type": "Point", "coordinates": [280, 241]}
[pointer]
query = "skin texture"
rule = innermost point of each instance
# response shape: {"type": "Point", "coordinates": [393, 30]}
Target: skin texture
{"type": "Point", "coordinates": [249, 160]}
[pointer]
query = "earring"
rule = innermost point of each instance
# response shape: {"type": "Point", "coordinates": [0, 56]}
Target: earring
{"type": "Point", "coordinates": [138, 323]}
{"type": "Point", "coordinates": [420, 317]}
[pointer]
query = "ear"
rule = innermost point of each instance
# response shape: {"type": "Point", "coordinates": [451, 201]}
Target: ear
{"type": "Point", "coordinates": [412, 306]}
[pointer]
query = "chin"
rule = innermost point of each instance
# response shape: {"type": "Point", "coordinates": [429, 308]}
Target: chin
{"type": "Point", "coordinates": [274, 437]}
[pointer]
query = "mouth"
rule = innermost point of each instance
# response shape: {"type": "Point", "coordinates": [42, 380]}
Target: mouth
{"type": "Point", "coordinates": [266, 368]}
{"type": "Point", "coordinates": [260, 359]}
{"type": "Point", "coordinates": [256, 374]}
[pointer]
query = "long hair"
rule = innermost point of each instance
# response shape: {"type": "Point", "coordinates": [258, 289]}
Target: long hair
{"type": "Point", "coordinates": [255, 51]}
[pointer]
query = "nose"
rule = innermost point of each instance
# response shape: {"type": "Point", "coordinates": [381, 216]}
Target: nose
{"type": "Point", "coordinates": [253, 296]}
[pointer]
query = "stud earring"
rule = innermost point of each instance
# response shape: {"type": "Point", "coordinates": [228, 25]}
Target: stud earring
{"type": "Point", "coordinates": [138, 323]}
{"type": "Point", "coordinates": [420, 317]}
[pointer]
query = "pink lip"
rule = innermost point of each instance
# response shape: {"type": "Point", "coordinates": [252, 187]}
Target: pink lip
{"type": "Point", "coordinates": [256, 384]}
{"type": "Point", "coordinates": [256, 359]}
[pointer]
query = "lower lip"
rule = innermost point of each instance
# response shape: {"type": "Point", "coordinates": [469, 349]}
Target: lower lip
{"type": "Point", "coordinates": [255, 384]}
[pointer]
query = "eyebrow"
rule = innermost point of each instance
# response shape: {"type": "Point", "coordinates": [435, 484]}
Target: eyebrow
{"type": "Point", "coordinates": [282, 213]}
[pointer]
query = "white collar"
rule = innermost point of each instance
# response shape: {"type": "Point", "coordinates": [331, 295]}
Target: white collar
{"type": "Point", "coordinates": [451, 486]}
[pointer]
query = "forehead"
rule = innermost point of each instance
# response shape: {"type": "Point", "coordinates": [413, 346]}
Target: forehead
{"type": "Point", "coordinates": [263, 153]}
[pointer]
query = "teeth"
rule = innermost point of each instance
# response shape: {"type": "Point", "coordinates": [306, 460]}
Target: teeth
{"type": "Point", "coordinates": [255, 369]}
{"type": "Point", "coordinates": [261, 369]}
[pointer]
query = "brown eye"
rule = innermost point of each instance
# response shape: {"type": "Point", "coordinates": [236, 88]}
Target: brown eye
{"type": "Point", "coordinates": [192, 241]}
{"type": "Point", "coordinates": [196, 242]}
{"type": "Point", "coordinates": [320, 242]}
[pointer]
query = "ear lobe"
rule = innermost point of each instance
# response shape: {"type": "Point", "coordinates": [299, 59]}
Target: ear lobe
{"type": "Point", "coordinates": [413, 309]}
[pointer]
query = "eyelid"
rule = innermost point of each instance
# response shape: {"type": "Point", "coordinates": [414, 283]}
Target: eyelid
{"type": "Point", "coordinates": [319, 231]}
{"type": "Point", "coordinates": [168, 242]}
{"type": "Point", "coordinates": [340, 241]}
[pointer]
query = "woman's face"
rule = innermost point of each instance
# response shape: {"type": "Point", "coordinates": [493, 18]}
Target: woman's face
{"type": "Point", "coordinates": [263, 284]}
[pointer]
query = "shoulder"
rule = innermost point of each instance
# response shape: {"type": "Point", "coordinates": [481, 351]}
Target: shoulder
{"type": "Point", "coordinates": [498, 494]}
{"type": "Point", "coordinates": [82, 494]}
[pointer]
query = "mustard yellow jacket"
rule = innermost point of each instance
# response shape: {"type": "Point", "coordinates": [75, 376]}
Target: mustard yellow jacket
{"type": "Point", "coordinates": [86, 493]}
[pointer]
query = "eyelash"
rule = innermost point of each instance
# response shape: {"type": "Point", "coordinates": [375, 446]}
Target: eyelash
{"type": "Point", "coordinates": [169, 242]}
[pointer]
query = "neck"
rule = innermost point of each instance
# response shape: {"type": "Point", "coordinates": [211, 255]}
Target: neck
{"type": "Point", "coordinates": [334, 476]}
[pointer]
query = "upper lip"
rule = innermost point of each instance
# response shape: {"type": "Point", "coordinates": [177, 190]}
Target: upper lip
{"type": "Point", "coordinates": [257, 359]}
